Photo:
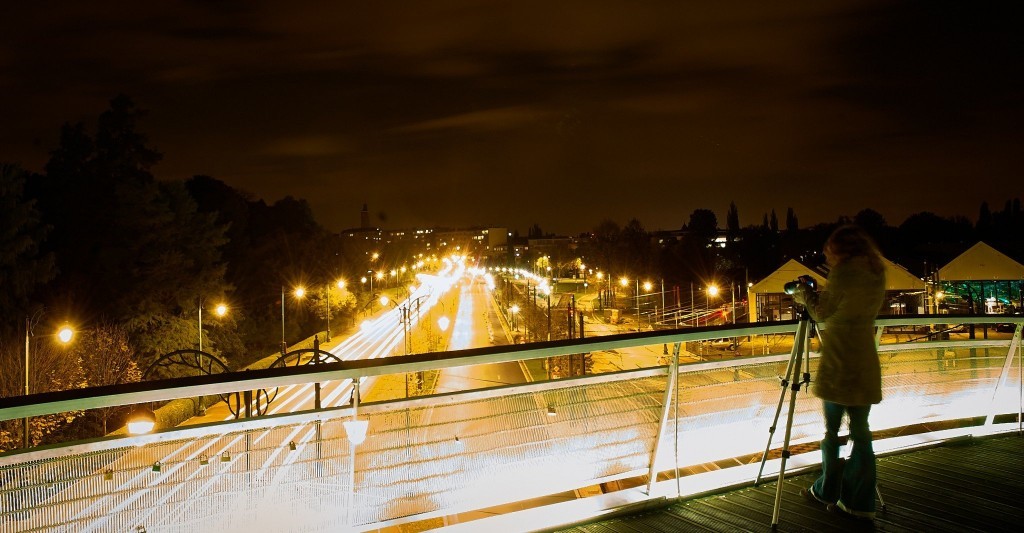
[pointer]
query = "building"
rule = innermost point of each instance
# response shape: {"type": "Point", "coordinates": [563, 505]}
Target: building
{"type": "Point", "coordinates": [980, 280]}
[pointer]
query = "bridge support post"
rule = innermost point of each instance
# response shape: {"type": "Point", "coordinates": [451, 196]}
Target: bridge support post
{"type": "Point", "coordinates": [1005, 373]}
{"type": "Point", "coordinates": [670, 392]}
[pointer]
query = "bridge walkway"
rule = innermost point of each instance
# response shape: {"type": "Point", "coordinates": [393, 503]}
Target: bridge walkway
{"type": "Point", "coordinates": [965, 485]}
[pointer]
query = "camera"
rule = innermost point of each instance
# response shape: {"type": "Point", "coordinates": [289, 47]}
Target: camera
{"type": "Point", "coordinates": [794, 285]}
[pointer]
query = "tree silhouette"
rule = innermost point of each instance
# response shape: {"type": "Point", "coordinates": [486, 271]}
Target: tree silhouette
{"type": "Point", "coordinates": [129, 248]}
{"type": "Point", "coordinates": [23, 266]}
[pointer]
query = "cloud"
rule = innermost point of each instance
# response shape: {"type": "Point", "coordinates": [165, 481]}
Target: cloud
{"type": "Point", "coordinates": [497, 119]}
{"type": "Point", "coordinates": [311, 146]}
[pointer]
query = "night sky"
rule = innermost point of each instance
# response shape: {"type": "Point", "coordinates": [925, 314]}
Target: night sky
{"type": "Point", "coordinates": [561, 113]}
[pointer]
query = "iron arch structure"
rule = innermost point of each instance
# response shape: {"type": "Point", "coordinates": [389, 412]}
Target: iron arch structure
{"type": "Point", "coordinates": [297, 358]}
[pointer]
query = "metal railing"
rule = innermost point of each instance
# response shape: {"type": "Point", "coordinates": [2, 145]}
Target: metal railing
{"type": "Point", "coordinates": [700, 422]}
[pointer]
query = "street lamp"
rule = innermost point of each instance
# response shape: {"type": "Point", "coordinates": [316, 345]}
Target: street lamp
{"type": "Point", "coordinates": [220, 310]}
{"type": "Point", "coordinates": [141, 420]}
{"type": "Point", "coordinates": [341, 286]}
{"type": "Point", "coordinates": [64, 335]}
{"type": "Point", "coordinates": [647, 288]}
{"type": "Point", "coordinates": [711, 292]}
{"type": "Point", "coordinates": [355, 430]}
{"type": "Point", "coordinates": [299, 292]}
{"type": "Point", "coordinates": [515, 310]}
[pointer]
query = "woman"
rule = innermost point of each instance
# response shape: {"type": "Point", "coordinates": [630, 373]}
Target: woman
{"type": "Point", "coordinates": [849, 377]}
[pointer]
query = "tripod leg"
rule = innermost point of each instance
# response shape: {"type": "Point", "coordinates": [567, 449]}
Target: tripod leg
{"type": "Point", "coordinates": [791, 373]}
{"type": "Point", "coordinates": [878, 492]}
{"type": "Point", "coordinates": [794, 388]}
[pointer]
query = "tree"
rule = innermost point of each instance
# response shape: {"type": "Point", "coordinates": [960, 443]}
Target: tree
{"type": "Point", "coordinates": [129, 248]}
{"type": "Point", "coordinates": [984, 225]}
{"type": "Point", "coordinates": [773, 222]}
{"type": "Point", "coordinates": [703, 224]}
{"type": "Point", "coordinates": [343, 302]}
{"type": "Point", "coordinates": [792, 225]}
{"type": "Point", "coordinates": [107, 358]}
{"type": "Point", "coordinates": [732, 224]}
{"type": "Point", "coordinates": [52, 369]}
{"type": "Point", "coordinates": [23, 266]}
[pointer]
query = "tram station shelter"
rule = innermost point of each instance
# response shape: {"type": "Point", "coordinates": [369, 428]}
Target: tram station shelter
{"type": "Point", "coordinates": [904, 292]}
{"type": "Point", "coordinates": [981, 279]}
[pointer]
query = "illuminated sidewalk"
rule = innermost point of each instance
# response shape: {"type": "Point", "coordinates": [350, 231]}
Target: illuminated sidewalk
{"type": "Point", "coordinates": [964, 485]}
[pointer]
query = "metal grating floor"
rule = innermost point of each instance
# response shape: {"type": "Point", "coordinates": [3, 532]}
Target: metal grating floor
{"type": "Point", "coordinates": [971, 485]}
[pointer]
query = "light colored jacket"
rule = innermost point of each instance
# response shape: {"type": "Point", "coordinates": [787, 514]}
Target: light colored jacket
{"type": "Point", "coordinates": [848, 371]}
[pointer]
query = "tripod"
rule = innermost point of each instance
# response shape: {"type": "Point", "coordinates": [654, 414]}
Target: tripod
{"type": "Point", "coordinates": [800, 354]}
{"type": "Point", "coordinates": [801, 345]}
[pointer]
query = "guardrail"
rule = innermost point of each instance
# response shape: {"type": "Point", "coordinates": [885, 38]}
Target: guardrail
{"type": "Point", "coordinates": [672, 430]}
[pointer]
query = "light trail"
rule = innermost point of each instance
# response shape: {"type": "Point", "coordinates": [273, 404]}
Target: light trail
{"type": "Point", "coordinates": [377, 337]}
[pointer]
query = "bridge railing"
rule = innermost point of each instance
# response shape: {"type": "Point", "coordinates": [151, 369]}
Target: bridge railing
{"type": "Point", "coordinates": [657, 430]}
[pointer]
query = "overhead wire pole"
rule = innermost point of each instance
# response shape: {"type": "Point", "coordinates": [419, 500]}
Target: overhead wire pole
{"type": "Point", "coordinates": [284, 345]}
{"type": "Point", "coordinates": [28, 332]}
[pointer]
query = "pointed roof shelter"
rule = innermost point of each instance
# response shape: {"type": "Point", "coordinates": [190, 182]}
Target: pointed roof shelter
{"type": "Point", "coordinates": [982, 262]}
{"type": "Point", "coordinates": [789, 271]}
{"type": "Point", "coordinates": [774, 282]}
{"type": "Point", "coordinates": [898, 278]}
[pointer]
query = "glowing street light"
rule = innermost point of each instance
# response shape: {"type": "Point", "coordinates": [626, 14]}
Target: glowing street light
{"type": "Point", "coordinates": [299, 292]}
{"type": "Point", "coordinates": [220, 310]}
{"type": "Point", "coordinates": [64, 335]}
{"type": "Point", "coordinates": [142, 420]}
{"type": "Point", "coordinates": [341, 286]}
{"type": "Point", "coordinates": [712, 291]}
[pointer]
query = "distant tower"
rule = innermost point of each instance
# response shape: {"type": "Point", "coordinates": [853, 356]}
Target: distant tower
{"type": "Point", "coordinates": [364, 217]}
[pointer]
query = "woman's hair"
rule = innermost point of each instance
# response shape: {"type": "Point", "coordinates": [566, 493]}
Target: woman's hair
{"type": "Point", "coordinates": [852, 241]}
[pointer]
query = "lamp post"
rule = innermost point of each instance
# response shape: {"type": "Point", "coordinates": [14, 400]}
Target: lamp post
{"type": "Point", "coordinates": [711, 292]}
{"type": "Point", "coordinates": [220, 311]}
{"type": "Point", "coordinates": [355, 430]}
{"type": "Point", "coordinates": [547, 292]}
{"type": "Point", "coordinates": [624, 282]}
{"type": "Point", "coordinates": [299, 293]}
{"type": "Point", "coordinates": [341, 286]}
{"type": "Point", "coordinates": [65, 335]}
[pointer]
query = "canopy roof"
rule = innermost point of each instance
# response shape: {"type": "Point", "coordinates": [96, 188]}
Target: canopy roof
{"type": "Point", "coordinates": [791, 270]}
{"type": "Point", "coordinates": [981, 262]}
{"type": "Point", "coordinates": [897, 278]}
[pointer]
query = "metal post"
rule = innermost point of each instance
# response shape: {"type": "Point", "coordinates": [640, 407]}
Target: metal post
{"type": "Point", "coordinates": [549, 312]}
{"type": "Point", "coordinates": [200, 404]}
{"type": "Point", "coordinates": [352, 474]}
{"type": "Point", "coordinates": [637, 305]}
{"type": "Point", "coordinates": [732, 290]}
{"type": "Point", "coordinates": [28, 332]}
{"type": "Point", "coordinates": [662, 319]}
{"type": "Point", "coordinates": [316, 386]}
{"type": "Point", "coordinates": [284, 345]}
{"type": "Point", "coordinates": [652, 473]}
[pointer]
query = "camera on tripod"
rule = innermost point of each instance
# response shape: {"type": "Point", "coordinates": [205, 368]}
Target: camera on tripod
{"type": "Point", "coordinates": [794, 285]}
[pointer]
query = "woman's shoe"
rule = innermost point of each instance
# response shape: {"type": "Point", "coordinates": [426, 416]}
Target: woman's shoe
{"type": "Point", "coordinates": [840, 508]}
{"type": "Point", "coordinates": [809, 494]}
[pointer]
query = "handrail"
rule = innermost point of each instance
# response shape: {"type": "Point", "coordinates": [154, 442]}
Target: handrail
{"type": "Point", "coordinates": [465, 448]}
{"type": "Point", "coordinates": [167, 389]}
